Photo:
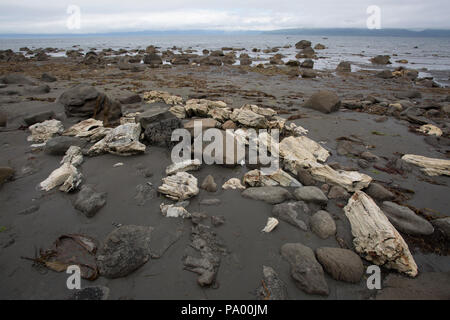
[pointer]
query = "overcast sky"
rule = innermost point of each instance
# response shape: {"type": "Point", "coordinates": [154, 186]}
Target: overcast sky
{"type": "Point", "coordinates": [46, 16]}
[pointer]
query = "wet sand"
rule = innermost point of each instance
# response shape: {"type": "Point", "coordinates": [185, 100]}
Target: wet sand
{"type": "Point", "coordinates": [249, 249]}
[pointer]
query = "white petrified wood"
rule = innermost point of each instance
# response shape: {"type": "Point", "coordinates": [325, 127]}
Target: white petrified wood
{"type": "Point", "coordinates": [183, 166]}
{"type": "Point", "coordinates": [350, 180]}
{"type": "Point", "coordinates": [66, 176]}
{"type": "Point", "coordinates": [258, 178]}
{"type": "Point", "coordinates": [431, 166]}
{"type": "Point", "coordinates": [180, 186]}
{"type": "Point", "coordinates": [375, 238]}
{"type": "Point", "coordinates": [297, 150]}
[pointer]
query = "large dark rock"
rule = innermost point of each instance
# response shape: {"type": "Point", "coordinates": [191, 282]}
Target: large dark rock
{"type": "Point", "coordinates": [324, 101]}
{"type": "Point", "coordinates": [86, 102]}
{"type": "Point", "coordinates": [272, 195]}
{"type": "Point", "coordinates": [39, 117]}
{"type": "Point", "coordinates": [305, 270]}
{"type": "Point", "coordinates": [16, 78]}
{"type": "Point", "coordinates": [36, 90]}
{"type": "Point", "coordinates": [124, 250]}
{"type": "Point", "coordinates": [341, 264]}
{"type": "Point", "coordinates": [48, 78]}
{"type": "Point", "coordinates": [89, 201]}
{"type": "Point", "coordinates": [310, 194]}
{"type": "Point", "coordinates": [344, 66]}
{"type": "Point", "coordinates": [158, 124]}
{"type": "Point", "coordinates": [303, 44]}
{"type": "Point", "coordinates": [295, 213]}
{"type": "Point", "coordinates": [380, 59]}
{"type": "Point", "coordinates": [405, 220]}
{"type": "Point", "coordinates": [153, 59]}
{"type": "Point", "coordinates": [57, 146]}
{"type": "Point", "coordinates": [308, 52]}
{"type": "Point", "coordinates": [307, 64]}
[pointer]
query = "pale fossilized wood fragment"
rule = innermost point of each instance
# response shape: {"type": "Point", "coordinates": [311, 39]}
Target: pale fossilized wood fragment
{"type": "Point", "coordinates": [375, 238]}
{"type": "Point", "coordinates": [180, 186]}
{"type": "Point", "coordinates": [271, 224]}
{"type": "Point", "coordinates": [183, 166]}
{"type": "Point", "coordinates": [41, 132]}
{"type": "Point", "coordinates": [122, 140]}
{"type": "Point", "coordinates": [350, 180]}
{"type": "Point", "coordinates": [431, 166]}
{"type": "Point", "coordinates": [233, 183]}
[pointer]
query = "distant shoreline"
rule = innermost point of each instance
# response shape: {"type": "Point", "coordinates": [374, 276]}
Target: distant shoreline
{"type": "Point", "coordinates": [427, 33]}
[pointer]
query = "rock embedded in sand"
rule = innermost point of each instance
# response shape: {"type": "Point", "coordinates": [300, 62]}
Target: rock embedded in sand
{"type": "Point", "coordinates": [43, 131]}
{"type": "Point", "coordinates": [124, 250]}
{"type": "Point", "coordinates": [159, 125]}
{"type": "Point", "coordinates": [176, 210]}
{"type": "Point", "coordinates": [305, 270]}
{"type": "Point", "coordinates": [272, 288]}
{"type": "Point", "coordinates": [405, 220]}
{"type": "Point", "coordinates": [324, 101]}
{"type": "Point", "coordinates": [209, 184]}
{"type": "Point", "coordinates": [89, 201]}
{"type": "Point", "coordinates": [122, 140]}
{"type": "Point", "coordinates": [91, 294]}
{"type": "Point", "coordinates": [48, 78]}
{"type": "Point", "coordinates": [322, 224]}
{"type": "Point", "coordinates": [341, 264]}
{"type": "Point", "coordinates": [271, 195]}
{"type": "Point", "coordinates": [338, 192]}
{"type": "Point", "coordinates": [153, 59]}
{"type": "Point", "coordinates": [180, 186]}
{"type": "Point", "coordinates": [375, 238]}
{"type": "Point", "coordinates": [294, 213]}
{"type": "Point", "coordinates": [310, 194]}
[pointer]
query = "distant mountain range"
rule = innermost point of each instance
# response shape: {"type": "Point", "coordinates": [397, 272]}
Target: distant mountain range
{"type": "Point", "coordinates": [303, 31]}
{"type": "Point", "coordinates": [364, 32]}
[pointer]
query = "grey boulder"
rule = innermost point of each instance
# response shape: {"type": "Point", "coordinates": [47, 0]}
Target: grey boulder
{"type": "Point", "coordinates": [310, 194]}
{"type": "Point", "coordinates": [124, 250]}
{"type": "Point", "coordinates": [324, 101]}
{"type": "Point", "coordinates": [295, 213]}
{"type": "Point", "coordinates": [341, 264]}
{"type": "Point", "coordinates": [405, 220]}
{"type": "Point", "coordinates": [272, 195]}
{"type": "Point", "coordinates": [305, 270]}
{"type": "Point", "coordinates": [323, 224]}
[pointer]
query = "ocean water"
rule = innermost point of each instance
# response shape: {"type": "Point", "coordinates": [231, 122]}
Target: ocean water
{"type": "Point", "coordinates": [431, 56]}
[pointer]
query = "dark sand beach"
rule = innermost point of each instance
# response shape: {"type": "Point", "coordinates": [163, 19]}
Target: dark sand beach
{"type": "Point", "coordinates": [376, 123]}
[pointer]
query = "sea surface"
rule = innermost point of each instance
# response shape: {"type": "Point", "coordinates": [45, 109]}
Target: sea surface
{"type": "Point", "coordinates": [431, 56]}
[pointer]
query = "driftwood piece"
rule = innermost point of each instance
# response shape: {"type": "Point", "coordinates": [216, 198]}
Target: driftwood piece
{"type": "Point", "coordinates": [180, 186]}
{"type": "Point", "coordinates": [431, 166]}
{"type": "Point", "coordinates": [375, 238]}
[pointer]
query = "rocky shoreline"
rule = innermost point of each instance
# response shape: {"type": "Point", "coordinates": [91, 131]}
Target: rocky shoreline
{"type": "Point", "coordinates": [87, 178]}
